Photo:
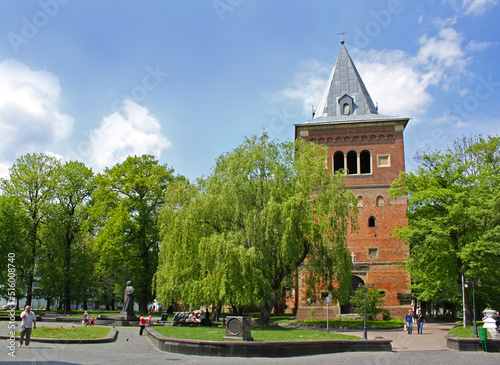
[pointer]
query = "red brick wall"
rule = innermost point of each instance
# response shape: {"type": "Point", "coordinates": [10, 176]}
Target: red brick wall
{"type": "Point", "coordinates": [381, 269]}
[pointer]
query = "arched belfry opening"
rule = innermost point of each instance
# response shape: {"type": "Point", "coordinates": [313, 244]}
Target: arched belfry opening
{"type": "Point", "coordinates": [338, 161]}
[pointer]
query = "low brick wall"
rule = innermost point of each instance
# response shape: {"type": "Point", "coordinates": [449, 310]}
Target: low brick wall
{"type": "Point", "coordinates": [263, 349]}
{"type": "Point", "coordinates": [471, 344]}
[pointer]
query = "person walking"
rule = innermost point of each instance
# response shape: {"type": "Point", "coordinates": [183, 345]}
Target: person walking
{"type": "Point", "coordinates": [28, 321]}
{"type": "Point", "coordinates": [409, 321]}
{"type": "Point", "coordinates": [420, 322]}
{"type": "Point", "coordinates": [142, 324]}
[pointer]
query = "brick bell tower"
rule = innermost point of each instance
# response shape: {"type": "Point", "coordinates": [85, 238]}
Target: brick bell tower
{"type": "Point", "coordinates": [368, 148]}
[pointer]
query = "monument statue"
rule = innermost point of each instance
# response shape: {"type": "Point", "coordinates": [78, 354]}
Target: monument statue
{"type": "Point", "coordinates": [128, 298]}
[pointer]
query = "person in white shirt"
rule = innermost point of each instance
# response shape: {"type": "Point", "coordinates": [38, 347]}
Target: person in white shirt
{"type": "Point", "coordinates": [28, 321]}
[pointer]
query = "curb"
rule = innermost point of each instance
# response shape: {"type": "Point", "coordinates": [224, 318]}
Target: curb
{"type": "Point", "coordinates": [471, 344]}
{"type": "Point", "coordinates": [263, 349]}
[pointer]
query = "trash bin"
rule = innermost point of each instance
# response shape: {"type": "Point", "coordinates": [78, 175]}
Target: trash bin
{"type": "Point", "coordinates": [483, 337]}
{"type": "Point", "coordinates": [164, 317]}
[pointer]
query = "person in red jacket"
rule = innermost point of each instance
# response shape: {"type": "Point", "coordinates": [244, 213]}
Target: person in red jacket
{"type": "Point", "coordinates": [142, 323]}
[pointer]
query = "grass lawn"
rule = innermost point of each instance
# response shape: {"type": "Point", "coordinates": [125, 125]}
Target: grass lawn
{"type": "Point", "coordinates": [70, 333]}
{"type": "Point", "coordinates": [467, 332]}
{"type": "Point", "coordinates": [266, 333]}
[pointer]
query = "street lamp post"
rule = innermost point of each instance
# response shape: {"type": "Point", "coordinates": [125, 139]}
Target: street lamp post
{"type": "Point", "coordinates": [474, 283]}
{"type": "Point", "coordinates": [365, 330]}
{"type": "Point", "coordinates": [463, 294]}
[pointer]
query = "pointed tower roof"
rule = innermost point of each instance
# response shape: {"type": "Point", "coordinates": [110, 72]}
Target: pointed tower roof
{"type": "Point", "coordinates": [345, 98]}
{"type": "Point", "coordinates": [345, 80]}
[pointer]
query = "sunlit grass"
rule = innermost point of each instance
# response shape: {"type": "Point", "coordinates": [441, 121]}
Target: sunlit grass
{"type": "Point", "coordinates": [69, 332]}
{"type": "Point", "coordinates": [267, 333]}
{"type": "Point", "coordinates": [467, 332]}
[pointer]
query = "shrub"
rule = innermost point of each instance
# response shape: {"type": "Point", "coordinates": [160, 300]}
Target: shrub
{"type": "Point", "coordinates": [373, 302]}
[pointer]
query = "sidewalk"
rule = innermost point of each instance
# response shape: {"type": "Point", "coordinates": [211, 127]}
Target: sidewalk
{"type": "Point", "coordinates": [130, 348]}
{"type": "Point", "coordinates": [432, 339]}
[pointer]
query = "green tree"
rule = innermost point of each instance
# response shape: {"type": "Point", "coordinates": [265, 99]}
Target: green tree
{"type": "Point", "coordinates": [13, 249]}
{"type": "Point", "coordinates": [454, 216]}
{"type": "Point", "coordinates": [33, 179]}
{"type": "Point", "coordinates": [126, 205]}
{"type": "Point", "coordinates": [241, 234]}
{"type": "Point", "coordinates": [374, 300]}
{"type": "Point", "coordinates": [66, 260]}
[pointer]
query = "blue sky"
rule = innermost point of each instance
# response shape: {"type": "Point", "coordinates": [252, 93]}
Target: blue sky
{"type": "Point", "coordinates": [186, 81]}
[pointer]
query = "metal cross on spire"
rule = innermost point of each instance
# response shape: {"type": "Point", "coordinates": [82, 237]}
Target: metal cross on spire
{"type": "Point", "coordinates": [341, 34]}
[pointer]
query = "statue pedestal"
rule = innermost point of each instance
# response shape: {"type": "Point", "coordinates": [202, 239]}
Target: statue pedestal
{"type": "Point", "coordinates": [125, 319]}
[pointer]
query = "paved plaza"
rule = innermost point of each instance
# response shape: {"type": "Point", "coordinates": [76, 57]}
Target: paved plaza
{"type": "Point", "coordinates": [130, 348]}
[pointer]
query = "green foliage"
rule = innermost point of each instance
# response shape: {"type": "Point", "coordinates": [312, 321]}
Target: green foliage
{"type": "Point", "coordinates": [33, 180]}
{"type": "Point", "coordinates": [14, 226]}
{"type": "Point", "coordinates": [386, 315]}
{"type": "Point", "coordinates": [126, 205]}
{"type": "Point", "coordinates": [454, 221]}
{"type": "Point", "coordinates": [467, 332]}
{"type": "Point", "coordinates": [373, 302]}
{"type": "Point", "coordinates": [65, 266]}
{"type": "Point", "coordinates": [240, 235]}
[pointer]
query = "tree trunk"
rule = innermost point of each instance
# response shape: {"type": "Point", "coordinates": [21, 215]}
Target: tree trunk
{"type": "Point", "coordinates": [67, 262]}
{"type": "Point", "coordinates": [48, 304]}
{"type": "Point", "coordinates": [265, 314]}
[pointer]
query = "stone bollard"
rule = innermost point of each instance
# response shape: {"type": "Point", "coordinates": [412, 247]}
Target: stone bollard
{"type": "Point", "coordinates": [489, 323]}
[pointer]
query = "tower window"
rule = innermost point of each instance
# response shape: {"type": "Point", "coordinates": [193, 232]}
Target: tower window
{"type": "Point", "coordinates": [380, 201]}
{"type": "Point", "coordinates": [365, 162]}
{"type": "Point", "coordinates": [338, 161]}
{"type": "Point", "coordinates": [352, 162]}
{"type": "Point", "coordinates": [346, 109]}
{"type": "Point", "coordinates": [371, 222]}
{"type": "Point", "coordinates": [360, 201]}
{"type": "Point", "coordinates": [373, 253]}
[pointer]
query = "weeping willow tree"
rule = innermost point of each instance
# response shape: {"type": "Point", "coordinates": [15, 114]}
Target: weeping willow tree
{"type": "Point", "coordinates": [238, 236]}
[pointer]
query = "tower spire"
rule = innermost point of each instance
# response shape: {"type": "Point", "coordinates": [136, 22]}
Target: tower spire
{"type": "Point", "coordinates": [345, 83]}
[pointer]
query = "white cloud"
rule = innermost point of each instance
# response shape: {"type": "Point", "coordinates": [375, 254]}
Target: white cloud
{"type": "Point", "coordinates": [130, 131]}
{"type": "Point", "coordinates": [307, 85]}
{"type": "Point", "coordinates": [443, 50]}
{"type": "Point", "coordinates": [474, 46]}
{"type": "Point", "coordinates": [30, 116]}
{"type": "Point", "coordinates": [395, 82]}
{"type": "Point", "coordinates": [478, 7]}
